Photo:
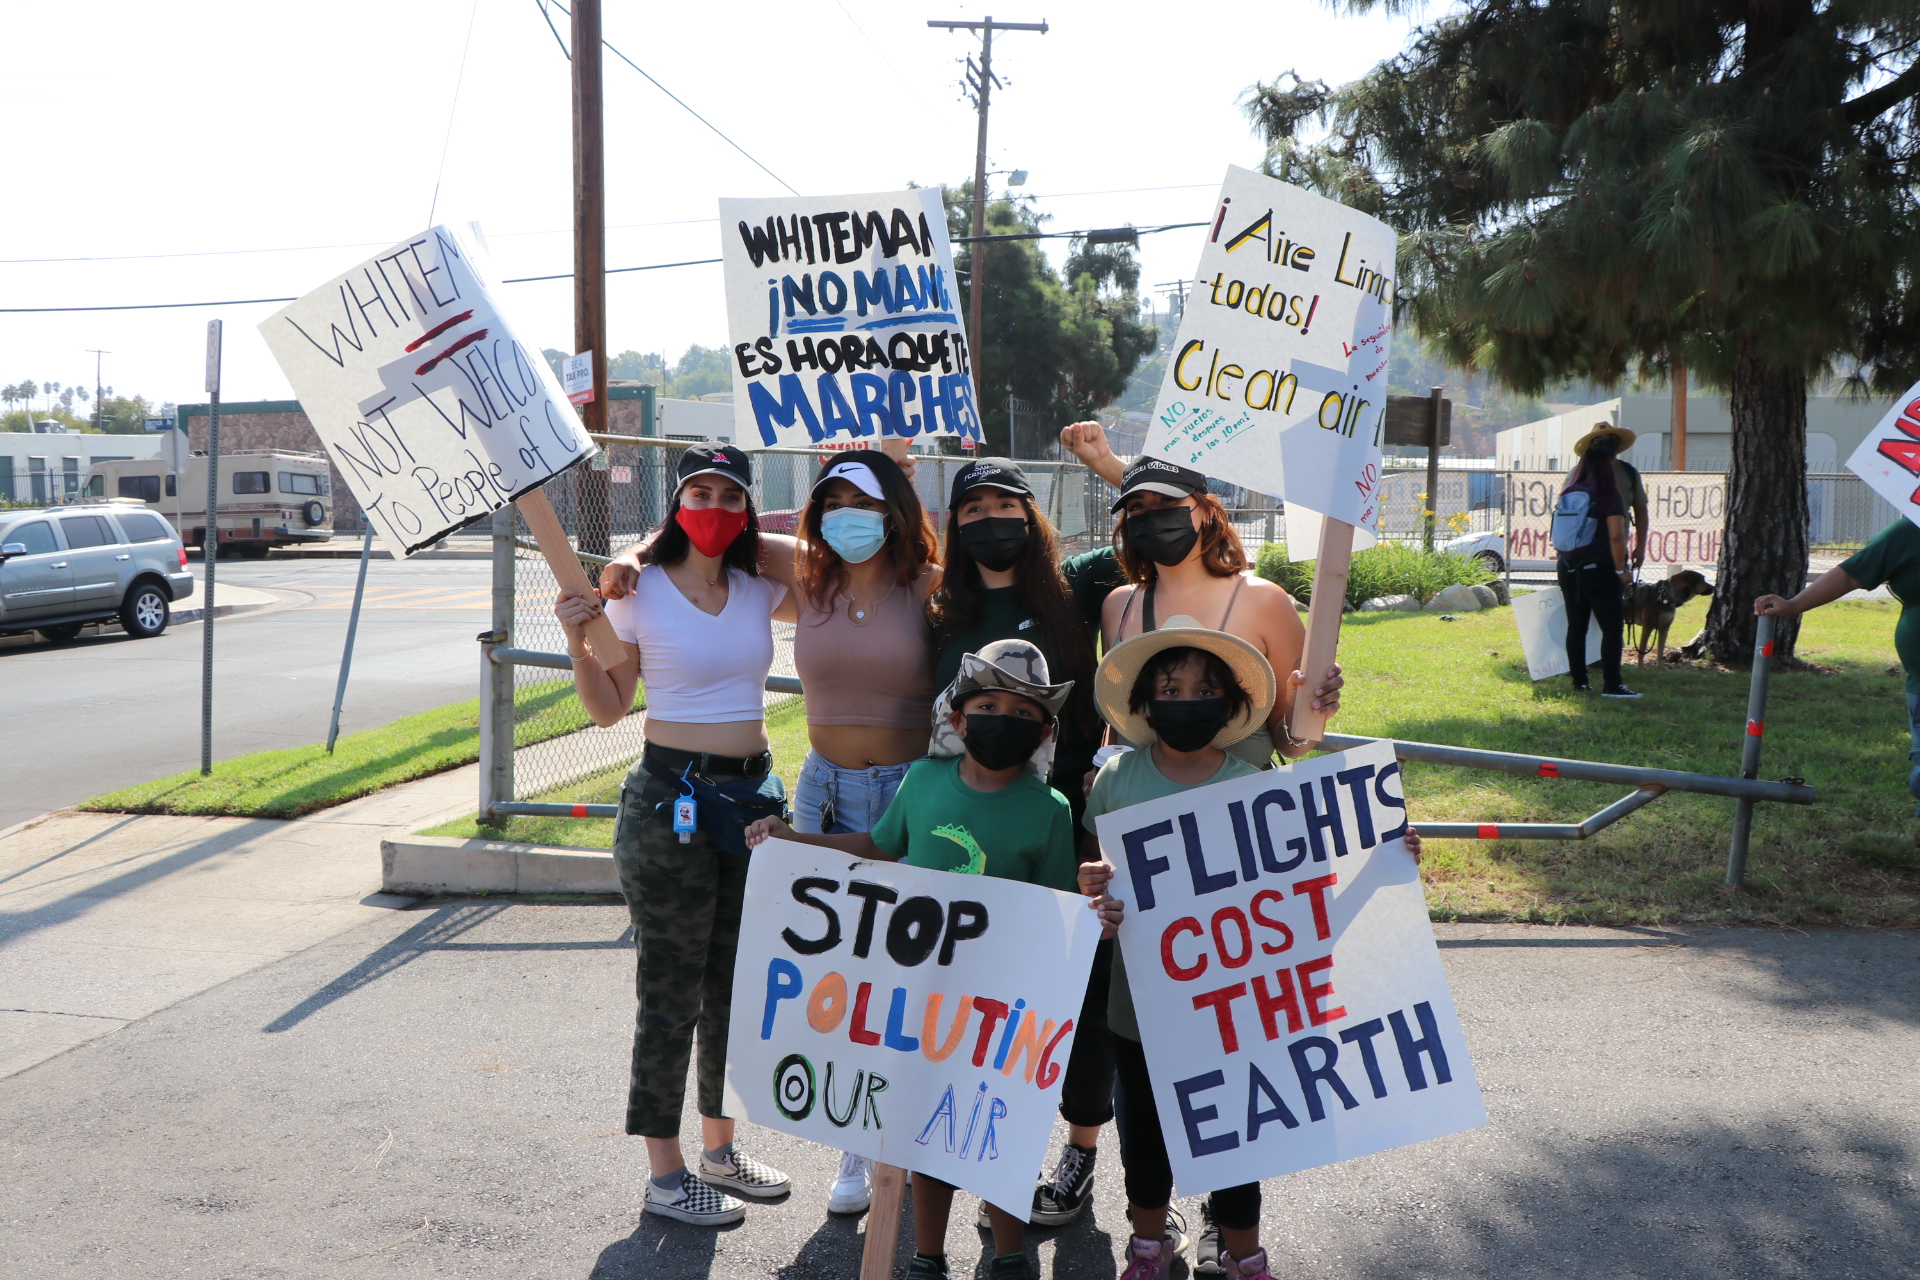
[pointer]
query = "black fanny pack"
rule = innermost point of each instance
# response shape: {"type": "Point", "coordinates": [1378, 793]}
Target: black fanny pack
{"type": "Point", "coordinates": [724, 810]}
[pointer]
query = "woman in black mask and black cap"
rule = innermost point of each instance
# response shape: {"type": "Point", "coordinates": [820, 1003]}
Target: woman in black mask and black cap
{"type": "Point", "coordinates": [1182, 557]}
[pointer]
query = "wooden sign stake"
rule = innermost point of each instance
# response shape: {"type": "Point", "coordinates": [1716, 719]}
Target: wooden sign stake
{"type": "Point", "coordinates": [545, 526]}
{"type": "Point", "coordinates": [883, 1222]}
{"type": "Point", "coordinates": [1323, 625]}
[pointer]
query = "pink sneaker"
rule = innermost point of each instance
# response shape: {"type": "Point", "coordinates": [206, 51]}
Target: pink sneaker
{"type": "Point", "coordinates": [1148, 1259]}
{"type": "Point", "coordinates": [1251, 1267]}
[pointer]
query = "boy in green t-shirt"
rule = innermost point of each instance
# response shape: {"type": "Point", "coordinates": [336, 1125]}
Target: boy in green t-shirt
{"type": "Point", "coordinates": [981, 813]}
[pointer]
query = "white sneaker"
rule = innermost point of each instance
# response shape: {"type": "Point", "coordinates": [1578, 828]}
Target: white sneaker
{"type": "Point", "coordinates": [853, 1189]}
{"type": "Point", "coordinates": [696, 1202]}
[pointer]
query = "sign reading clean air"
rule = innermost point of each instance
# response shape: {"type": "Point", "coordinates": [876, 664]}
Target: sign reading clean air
{"type": "Point", "coordinates": [921, 1018]}
{"type": "Point", "coordinates": [845, 320]}
{"type": "Point", "coordinates": [1279, 375]}
{"type": "Point", "coordinates": [433, 410]}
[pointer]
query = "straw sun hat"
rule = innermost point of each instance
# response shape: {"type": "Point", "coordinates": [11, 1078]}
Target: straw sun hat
{"type": "Point", "coordinates": [1604, 429]}
{"type": "Point", "coordinates": [1113, 682]}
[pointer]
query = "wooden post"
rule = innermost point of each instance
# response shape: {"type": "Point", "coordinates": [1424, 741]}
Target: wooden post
{"type": "Point", "coordinates": [1330, 570]}
{"type": "Point", "coordinates": [1679, 422]}
{"type": "Point", "coordinates": [590, 487]}
{"type": "Point", "coordinates": [567, 571]}
{"type": "Point", "coordinates": [883, 1222]}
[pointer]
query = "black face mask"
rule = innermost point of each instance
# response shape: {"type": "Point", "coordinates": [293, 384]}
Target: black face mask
{"type": "Point", "coordinates": [1187, 724]}
{"type": "Point", "coordinates": [996, 542]}
{"type": "Point", "coordinates": [1001, 742]}
{"type": "Point", "coordinates": [1163, 535]}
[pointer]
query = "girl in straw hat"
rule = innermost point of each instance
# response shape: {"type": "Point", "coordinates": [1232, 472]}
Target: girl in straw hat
{"type": "Point", "coordinates": [1188, 693]}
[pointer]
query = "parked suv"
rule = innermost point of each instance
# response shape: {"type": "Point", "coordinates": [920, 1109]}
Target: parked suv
{"type": "Point", "coordinates": [63, 567]}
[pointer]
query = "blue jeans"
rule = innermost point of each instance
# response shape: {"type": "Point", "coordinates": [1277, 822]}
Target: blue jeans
{"type": "Point", "coordinates": [854, 797]}
{"type": "Point", "coordinates": [1913, 726]}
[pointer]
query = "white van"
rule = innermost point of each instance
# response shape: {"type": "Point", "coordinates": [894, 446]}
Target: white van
{"type": "Point", "coordinates": [268, 499]}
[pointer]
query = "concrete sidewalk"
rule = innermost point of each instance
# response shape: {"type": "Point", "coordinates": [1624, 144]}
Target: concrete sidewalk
{"type": "Point", "coordinates": [439, 1091]}
{"type": "Point", "coordinates": [107, 918]}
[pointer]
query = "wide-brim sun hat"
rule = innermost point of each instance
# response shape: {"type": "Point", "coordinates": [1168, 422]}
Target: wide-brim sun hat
{"type": "Point", "coordinates": [1604, 429]}
{"type": "Point", "coordinates": [1120, 669]}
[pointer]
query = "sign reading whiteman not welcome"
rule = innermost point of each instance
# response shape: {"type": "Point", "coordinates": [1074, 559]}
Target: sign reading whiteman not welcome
{"type": "Point", "coordinates": [432, 409]}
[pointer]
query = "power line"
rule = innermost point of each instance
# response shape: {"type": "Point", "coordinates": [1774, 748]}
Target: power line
{"type": "Point", "coordinates": [453, 111]}
{"type": "Point", "coordinates": [671, 94]}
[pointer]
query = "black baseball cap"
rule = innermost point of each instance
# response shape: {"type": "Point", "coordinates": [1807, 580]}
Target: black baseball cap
{"type": "Point", "coordinates": [718, 459]}
{"type": "Point", "coordinates": [1155, 475]}
{"type": "Point", "coordinates": [989, 473]}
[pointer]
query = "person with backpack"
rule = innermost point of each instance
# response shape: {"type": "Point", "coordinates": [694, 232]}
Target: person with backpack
{"type": "Point", "coordinates": [1590, 546]}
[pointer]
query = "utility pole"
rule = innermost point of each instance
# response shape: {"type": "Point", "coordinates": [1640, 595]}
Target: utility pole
{"type": "Point", "coordinates": [590, 487]}
{"type": "Point", "coordinates": [209, 547]}
{"type": "Point", "coordinates": [981, 80]}
{"type": "Point", "coordinates": [99, 413]}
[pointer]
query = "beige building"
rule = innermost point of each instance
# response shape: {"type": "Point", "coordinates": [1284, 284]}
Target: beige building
{"type": "Point", "coordinates": [1835, 427]}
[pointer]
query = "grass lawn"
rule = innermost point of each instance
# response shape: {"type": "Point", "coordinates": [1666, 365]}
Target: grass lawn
{"type": "Point", "coordinates": [286, 784]}
{"type": "Point", "coordinates": [1851, 858]}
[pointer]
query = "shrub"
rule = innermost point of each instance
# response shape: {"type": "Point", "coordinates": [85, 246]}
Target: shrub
{"type": "Point", "coordinates": [1389, 569]}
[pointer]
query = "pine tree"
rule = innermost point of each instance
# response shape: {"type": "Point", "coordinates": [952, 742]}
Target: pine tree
{"type": "Point", "coordinates": [1595, 188]}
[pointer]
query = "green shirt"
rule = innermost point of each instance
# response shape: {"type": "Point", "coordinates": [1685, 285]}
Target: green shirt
{"type": "Point", "coordinates": [1632, 488]}
{"type": "Point", "coordinates": [1021, 832]}
{"type": "Point", "coordinates": [1133, 778]}
{"type": "Point", "coordinates": [1893, 558]}
{"type": "Point", "coordinates": [1092, 576]}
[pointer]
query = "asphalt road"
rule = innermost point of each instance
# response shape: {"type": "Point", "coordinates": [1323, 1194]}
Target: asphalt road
{"type": "Point", "coordinates": [440, 1092]}
{"type": "Point", "coordinates": [109, 711]}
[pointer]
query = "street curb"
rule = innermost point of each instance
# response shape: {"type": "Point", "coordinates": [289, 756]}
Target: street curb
{"type": "Point", "coordinates": [423, 866]}
{"type": "Point", "coordinates": [177, 616]}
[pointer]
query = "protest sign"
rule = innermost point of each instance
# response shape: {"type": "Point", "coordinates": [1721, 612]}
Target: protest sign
{"type": "Point", "coordinates": [1686, 512]}
{"type": "Point", "coordinates": [1285, 980]}
{"type": "Point", "coordinates": [1542, 618]}
{"type": "Point", "coordinates": [920, 1018]}
{"type": "Point", "coordinates": [844, 320]}
{"type": "Point", "coordinates": [432, 409]}
{"type": "Point", "coordinates": [1279, 375]}
{"type": "Point", "coordinates": [1889, 458]}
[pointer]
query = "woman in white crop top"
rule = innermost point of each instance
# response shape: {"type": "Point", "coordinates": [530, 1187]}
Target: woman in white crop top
{"type": "Point", "coordinates": [696, 626]}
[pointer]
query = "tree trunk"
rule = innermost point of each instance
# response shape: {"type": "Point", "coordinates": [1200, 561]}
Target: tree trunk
{"type": "Point", "coordinates": [1763, 548]}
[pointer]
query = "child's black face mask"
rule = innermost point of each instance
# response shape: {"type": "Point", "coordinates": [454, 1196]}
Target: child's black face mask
{"type": "Point", "coordinates": [1187, 724]}
{"type": "Point", "coordinates": [1001, 742]}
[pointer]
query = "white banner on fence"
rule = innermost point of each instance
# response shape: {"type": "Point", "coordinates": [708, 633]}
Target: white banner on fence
{"type": "Point", "coordinates": [1542, 619]}
{"type": "Point", "coordinates": [432, 409]}
{"type": "Point", "coordinates": [1279, 375]}
{"type": "Point", "coordinates": [920, 1018]}
{"type": "Point", "coordinates": [844, 320]}
{"type": "Point", "coordinates": [1289, 994]}
{"type": "Point", "coordinates": [1685, 512]}
{"type": "Point", "coordinates": [1889, 458]}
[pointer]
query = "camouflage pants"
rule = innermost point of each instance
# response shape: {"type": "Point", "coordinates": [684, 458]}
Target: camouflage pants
{"type": "Point", "coordinates": [685, 903]}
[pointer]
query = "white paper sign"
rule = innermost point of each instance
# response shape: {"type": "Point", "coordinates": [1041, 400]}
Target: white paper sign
{"type": "Point", "coordinates": [576, 377]}
{"type": "Point", "coordinates": [431, 407]}
{"type": "Point", "coordinates": [1279, 375]}
{"type": "Point", "coordinates": [845, 320]}
{"type": "Point", "coordinates": [920, 1018]}
{"type": "Point", "coordinates": [1889, 458]}
{"type": "Point", "coordinates": [1542, 619]}
{"type": "Point", "coordinates": [1289, 994]}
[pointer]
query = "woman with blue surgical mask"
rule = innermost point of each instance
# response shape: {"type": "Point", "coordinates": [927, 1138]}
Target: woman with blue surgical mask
{"type": "Point", "coordinates": [865, 564]}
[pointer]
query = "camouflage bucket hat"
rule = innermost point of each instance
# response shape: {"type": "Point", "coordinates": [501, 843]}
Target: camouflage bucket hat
{"type": "Point", "coordinates": [1014, 665]}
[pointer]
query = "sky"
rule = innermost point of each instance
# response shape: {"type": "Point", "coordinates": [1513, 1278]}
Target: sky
{"type": "Point", "coordinates": [210, 150]}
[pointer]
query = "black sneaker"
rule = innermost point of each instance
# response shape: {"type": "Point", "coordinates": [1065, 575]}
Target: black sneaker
{"type": "Point", "coordinates": [1011, 1267]}
{"type": "Point", "coordinates": [1618, 691]}
{"type": "Point", "coordinates": [1061, 1198]}
{"type": "Point", "coordinates": [1206, 1254]}
{"type": "Point", "coordinates": [924, 1268]}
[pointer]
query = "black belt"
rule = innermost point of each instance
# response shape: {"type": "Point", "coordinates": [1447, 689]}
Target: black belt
{"type": "Point", "coordinates": [673, 761]}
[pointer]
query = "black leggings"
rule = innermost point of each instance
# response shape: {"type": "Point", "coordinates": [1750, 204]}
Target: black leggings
{"type": "Point", "coordinates": [1143, 1149]}
{"type": "Point", "coordinates": [1086, 1095]}
{"type": "Point", "coordinates": [1593, 591]}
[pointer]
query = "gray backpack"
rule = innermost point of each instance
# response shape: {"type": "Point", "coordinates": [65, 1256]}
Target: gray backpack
{"type": "Point", "coordinates": [1574, 523]}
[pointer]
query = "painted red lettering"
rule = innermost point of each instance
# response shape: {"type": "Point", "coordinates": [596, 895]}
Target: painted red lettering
{"type": "Point", "coordinates": [1312, 993]}
{"type": "Point", "coordinates": [1316, 889]}
{"type": "Point", "coordinates": [1175, 970]}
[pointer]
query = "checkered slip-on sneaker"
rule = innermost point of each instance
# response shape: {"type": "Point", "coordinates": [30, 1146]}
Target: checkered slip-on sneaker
{"type": "Point", "coordinates": [696, 1202]}
{"type": "Point", "coordinates": [741, 1174]}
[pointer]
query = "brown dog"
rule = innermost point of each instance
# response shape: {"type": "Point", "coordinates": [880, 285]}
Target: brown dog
{"type": "Point", "coordinates": [1650, 606]}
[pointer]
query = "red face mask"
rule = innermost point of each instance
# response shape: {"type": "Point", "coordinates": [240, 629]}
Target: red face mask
{"type": "Point", "coordinates": [711, 529]}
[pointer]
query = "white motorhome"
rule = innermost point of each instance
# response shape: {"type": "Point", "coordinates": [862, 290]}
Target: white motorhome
{"type": "Point", "coordinates": [268, 499]}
